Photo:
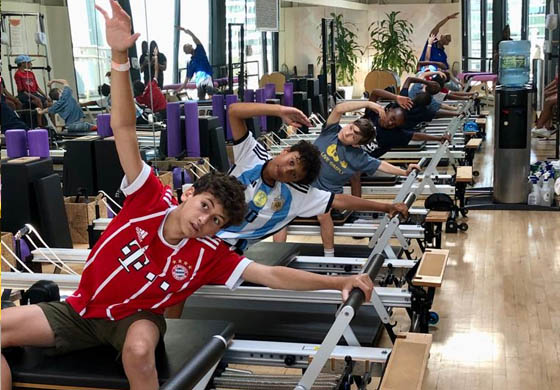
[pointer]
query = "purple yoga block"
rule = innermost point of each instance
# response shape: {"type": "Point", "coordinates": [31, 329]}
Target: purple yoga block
{"type": "Point", "coordinates": [104, 125]}
{"type": "Point", "coordinates": [288, 95]}
{"type": "Point", "coordinates": [269, 91]}
{"type": "Point", "coordinates": [191, 129]}
{"type": "Point", "coordinates": [16, 143]}
{"type": "Point", "coordinates": [249, 96]}
{"type": "Point", "coordinates": [218, 109]}
{"type": "Point", "coordinates": [174, 145]}
{"type": "Point", "coordinates": [230, 99]}
{"type": "Point", "coordinates": [38, 141]}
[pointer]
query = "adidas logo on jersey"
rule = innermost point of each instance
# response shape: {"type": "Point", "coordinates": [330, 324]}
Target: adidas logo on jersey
{"type": "Point", "coordinates": [141, 233]}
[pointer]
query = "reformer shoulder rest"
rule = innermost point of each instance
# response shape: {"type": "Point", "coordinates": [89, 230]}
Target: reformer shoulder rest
{"type": "Point", "coordinates": [408, 361]}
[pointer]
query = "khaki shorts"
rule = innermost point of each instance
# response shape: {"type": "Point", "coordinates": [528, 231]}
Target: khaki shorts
{"type": "Point", "coordinates": [74, 333]}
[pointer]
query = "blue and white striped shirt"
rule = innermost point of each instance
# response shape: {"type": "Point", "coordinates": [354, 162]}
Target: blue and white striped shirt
{"type": "Point", "coordinates": [270, 208]}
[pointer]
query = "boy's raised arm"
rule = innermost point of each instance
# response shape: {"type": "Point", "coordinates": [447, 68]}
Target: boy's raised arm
{"type": "Point", "coordinates": [123, 113]}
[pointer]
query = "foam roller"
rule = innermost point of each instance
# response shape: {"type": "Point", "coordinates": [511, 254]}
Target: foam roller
{"type": "Point", "coordinates": [16, 143]}
{"type": "Point", "coordinates": [288, 95]}
{"type": "Point", "coordinates": [38, 141]}
{"type": "Point", "coordinates": [174, 147]}
{"type": "Point", "coordinates": [191, 129]}
{"type": "Point", "coordinates": [218, 109]}
{"type": "Point", "coordinates": [104, 125]}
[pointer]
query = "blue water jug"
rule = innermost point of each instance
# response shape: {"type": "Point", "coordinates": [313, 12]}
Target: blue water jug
{"type": "Point", "coordinates": [514, 63]}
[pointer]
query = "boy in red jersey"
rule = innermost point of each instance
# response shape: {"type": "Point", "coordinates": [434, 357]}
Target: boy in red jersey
{"type": "Point", "coordinates": [152, 256]}
{"type": "Point", "coordinates": [29, 92]}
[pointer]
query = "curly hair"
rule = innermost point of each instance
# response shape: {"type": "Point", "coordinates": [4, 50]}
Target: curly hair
{"type": "Point", "coordinates": [309, 156]}
{"type": "Point", "coordinates": [367, 130]}
{"type": "Point", "coordinates": [228, 191]}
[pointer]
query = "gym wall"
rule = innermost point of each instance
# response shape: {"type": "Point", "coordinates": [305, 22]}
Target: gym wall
{"type": "Point", "coordinates": [57, 28]}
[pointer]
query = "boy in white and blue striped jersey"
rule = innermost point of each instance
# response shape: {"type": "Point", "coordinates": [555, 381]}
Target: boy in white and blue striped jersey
{"type": "Point", "coordinates": [278, 189]}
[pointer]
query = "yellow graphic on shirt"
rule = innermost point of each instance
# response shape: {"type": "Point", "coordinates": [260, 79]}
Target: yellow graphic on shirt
{"type": "Point", "coordinates": [260, 198]}
{"type": "Point", "coordinates": [331, 152]}
{"type": "Point", "coordinates": [331, 158]}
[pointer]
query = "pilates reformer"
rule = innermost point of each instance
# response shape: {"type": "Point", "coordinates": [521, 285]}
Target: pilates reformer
{"type": "Point", "coordinates": [258, 352]}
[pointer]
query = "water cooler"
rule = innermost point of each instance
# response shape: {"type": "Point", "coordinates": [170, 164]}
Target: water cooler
{"type": "Point", "coordinates": [512, 142]}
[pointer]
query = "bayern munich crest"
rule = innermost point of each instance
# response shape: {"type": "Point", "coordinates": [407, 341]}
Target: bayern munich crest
{"type": "Point", "coordinates": [179, 272]}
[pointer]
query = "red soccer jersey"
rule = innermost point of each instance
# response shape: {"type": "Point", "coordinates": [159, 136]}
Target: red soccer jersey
{"type": "Point", "coordinates": [133, 268]}
{"type": "Point", "coordinates": [160, 103]}
{"type": "Point", "coordinates": [25, 81]}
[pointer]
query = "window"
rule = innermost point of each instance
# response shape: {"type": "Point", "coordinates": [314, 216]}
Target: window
{"type": "Point", "coordinates": [92, 56]}
{"type": "Point", "coordinates": [243, 11]}
{"type": "Point", "coordinates": [154, 20]}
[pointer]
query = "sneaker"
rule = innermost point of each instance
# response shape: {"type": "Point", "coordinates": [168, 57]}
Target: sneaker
{"type": "Point", "coordinates": [542, 132]}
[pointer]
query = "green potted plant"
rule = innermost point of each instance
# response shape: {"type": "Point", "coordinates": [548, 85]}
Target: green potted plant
{"type": "Point", "coordinates": [390, 38]}
{"type": "Point", "coordinates": [346, 53]}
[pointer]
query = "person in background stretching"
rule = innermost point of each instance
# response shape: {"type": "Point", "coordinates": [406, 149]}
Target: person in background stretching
{"type": "Point", "coordinates": [199, 70]}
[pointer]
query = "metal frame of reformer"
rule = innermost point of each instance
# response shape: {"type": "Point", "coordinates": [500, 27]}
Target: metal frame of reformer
{"type": "Point", "coordinates": [274, 353]}
{"type": "Point", "coordinates": [427, 185]}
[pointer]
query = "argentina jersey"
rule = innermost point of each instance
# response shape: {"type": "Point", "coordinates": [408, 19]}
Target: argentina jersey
{"type": "Point", "coordinates": [269, 208]}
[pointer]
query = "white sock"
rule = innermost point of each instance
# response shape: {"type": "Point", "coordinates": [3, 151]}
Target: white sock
{"type": "Point", "coordinates": [328, 252]}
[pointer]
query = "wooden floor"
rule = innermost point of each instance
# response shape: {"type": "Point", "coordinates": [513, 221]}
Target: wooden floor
{"type": "Point", "coordinates": [499, 306]}
{"type": "Point", "coordinates": [500, 303]}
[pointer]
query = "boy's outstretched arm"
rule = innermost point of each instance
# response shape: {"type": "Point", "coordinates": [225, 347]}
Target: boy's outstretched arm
{"type": "Point", "coordinates": [342, 108]}
{"type": "Point", "coordinates": [350, 202]}
{"type": "Point", "coordinates": [123, 113]}
{"type": "Point", "coordinates": [285, 278]}
{"type": "Point", "coordinates": [238, 112]}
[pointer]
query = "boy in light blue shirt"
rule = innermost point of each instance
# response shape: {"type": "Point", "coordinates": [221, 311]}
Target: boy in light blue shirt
{"type": "Point", "coordinates": [67, 107]}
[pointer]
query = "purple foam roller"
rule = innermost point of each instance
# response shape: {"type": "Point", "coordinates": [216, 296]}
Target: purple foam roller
{"type": "Point", "coordinates": [191, 129]}
{"type": "Point", "coordinates": [288, 95]}
{"type": "Point", "coordinates": [218, 109]}
{"type": "Point", "coordinates": [16, 143]}
{"type": "Point", "coordinates": [104, 125]}
{"type": "Point", "coordinates": [38, 141]}
{"type": "Point", "coordinates": [269, 91]}
{"type": "Point", "coordinates": [174, 146]}
{"type": "Point", "coordinates": [249, 96]}
{"type": "Point", "coordinates": [230, 99]}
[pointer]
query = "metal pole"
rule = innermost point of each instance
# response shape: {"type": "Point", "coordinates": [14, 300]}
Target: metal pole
{"type": "Point", "coordinates": [176, 42]}
{"type": "Point", "coordinates": [265, 49]}
{"type": "Point", "coordinates": [230, 62]}
{"type": "Point", "coordinates": [324, 71]}
{"type": "Point", "coordinates": [241, 77]}
{"type": "Point", "coordinates": [558, 107]}
{"type": "Point", "coordinates": [333, 63]}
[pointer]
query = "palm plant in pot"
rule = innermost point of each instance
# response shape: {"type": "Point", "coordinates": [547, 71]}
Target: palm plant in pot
{"type": "Point", "coordinates": [390, 39]}
{"type": "Point", "coordinates": [347, 52]}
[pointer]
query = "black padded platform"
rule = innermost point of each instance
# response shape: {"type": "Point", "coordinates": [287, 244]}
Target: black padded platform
{"type": "Point", "coordinates": [378, 180]}
{"type": "Point", "coordinates": [347, 250]}
{"type": "Point", "coordinates": [273, 253]}
{"type": "Point", "coordinates": [101, 367]}
{"type": "Point", "coordinates": [413, 146]}
{"type": "Point", "coordinates": [282, 321]}
{"type": "Point", "coordinates": [339, 218]}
